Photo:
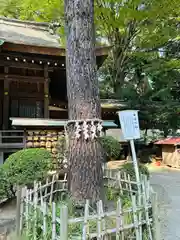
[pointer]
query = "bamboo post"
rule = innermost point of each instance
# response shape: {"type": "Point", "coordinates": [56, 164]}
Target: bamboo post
{"type": "Point", "coordinates": [65, 179]}
{"type": "Point", "coordinates": [18, 212]}
{"type": "Point", "coordinates": [147, 187]}
{"type": "Point", "coordinates": [53, 221]}
{"type": "Point", "coordinates": [119, 221]}
{"type": "Point", "coordinates": [135, 218]}
{"type": "Point", "coordinates": [52, 188]}
{"type": "Point", "coordinates": [27, 210]}
{"type": "Point", "coordinates": [44, 220]}
{"type": "Point", "coordinates": [140, 206]}
{"type": "Point", "coordinates": [126, 182]}
{"type": "Point", "coordinates": [120, 183]}
{"type": "Point", "coordinates": [156, 222]}
{"type": "Point", "coordinates": [98, 221]}
{"type": "Point", "coordinates": [64, 223]}
{"type": "Point", "coordinates": [35, 209]}
{"type": "Point", "coordinates": [46, 189]}
{"type": "Point", "coordinates": [30, 209]}
{"type": "Point", "coordinates": [85, 225]}
{"type": "Point", "coordinates": [130, 186]}
{"type": "Point", "coordinates": [146, 208]}
{"type": "Point", "coordinates": [105, 237]}
{"type": "Point", "coordinates": [41, 196]}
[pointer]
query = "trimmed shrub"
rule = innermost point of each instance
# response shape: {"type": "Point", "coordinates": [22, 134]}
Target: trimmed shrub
{"type": "Point", "coordinates": [111, 147]}
{"type": "Point", "coordinates": [129, 169]}
{"type": "Point", "coordinates": [6, 188]}
{"type": "Point", "coordinates": [27, 165]}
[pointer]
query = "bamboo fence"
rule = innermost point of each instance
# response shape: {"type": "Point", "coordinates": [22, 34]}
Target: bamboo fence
{"type": "Point", "coordinates": [43, 217]}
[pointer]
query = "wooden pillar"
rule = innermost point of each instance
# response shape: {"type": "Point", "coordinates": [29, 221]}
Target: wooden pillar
{"type": "Point", "coordinates": [46, 93]}
{"type": "Point", "coordinates": [6, 100]}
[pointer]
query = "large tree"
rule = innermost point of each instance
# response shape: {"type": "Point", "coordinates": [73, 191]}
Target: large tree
{"type": "Point", "coordinates": [85, 152]}
{"type": "Point", "coordinates": [144, 36]}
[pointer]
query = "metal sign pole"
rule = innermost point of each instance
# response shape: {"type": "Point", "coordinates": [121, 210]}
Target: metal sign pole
{"type": "Point", "coordinates": [134, 158]}
{"type": "Point", "coordinates": [130, 128]}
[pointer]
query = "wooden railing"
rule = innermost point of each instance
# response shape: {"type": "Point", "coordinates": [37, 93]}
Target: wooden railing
{"type": "Point", "coordinates": [12, 139]}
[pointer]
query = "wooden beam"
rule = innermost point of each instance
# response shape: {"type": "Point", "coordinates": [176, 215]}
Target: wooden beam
{"type": "Point", "coordinates": [25, 95]}
{"type": "Point", "coordinates": [13, 77]}
{"type": "Point", "coordinates": [46, 93]}
{"type": "Point", "coordinates": [29, 57]}
{"type": "Point", "coordinates": [24, 60]}
{"type": "Point", "coordinates": [58, 102]}
{"type": "Point", "coordinates": [100, 51]}
{"type": "Point", "coordinates": [6, 100]}
{"type": "Point", "coordinates": [33, 49]}
{"type": "Point", "coordinates": [14, 64]}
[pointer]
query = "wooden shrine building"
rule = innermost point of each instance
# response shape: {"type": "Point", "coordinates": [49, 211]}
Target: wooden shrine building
{"type": "Point", "coordinates": [170, 151]}
{"type": "Point", "coordinates": [33, 77]}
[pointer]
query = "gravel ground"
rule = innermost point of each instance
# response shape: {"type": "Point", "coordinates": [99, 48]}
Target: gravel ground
{"type": "Point", "coordinates": [167, 185]}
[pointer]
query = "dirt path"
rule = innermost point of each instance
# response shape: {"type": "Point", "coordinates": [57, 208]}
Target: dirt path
{"type": "Point", "coordinates": [7, 217]}
{"type": "Point", "coordinates": [167, 184]}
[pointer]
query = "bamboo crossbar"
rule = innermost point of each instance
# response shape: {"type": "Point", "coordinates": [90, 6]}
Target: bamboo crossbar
{"type": "Point", "coordinates": [122, 180]}
{"type": "Point", "coordinates": [114, 230]}
{"type": "Point", "coordinates": [48, 185]}
{"type": "Point", "coordinates": [95, 216]}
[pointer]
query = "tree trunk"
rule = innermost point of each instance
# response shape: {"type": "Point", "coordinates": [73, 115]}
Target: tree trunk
{"type": "Point", "coordinates": [85, 156]}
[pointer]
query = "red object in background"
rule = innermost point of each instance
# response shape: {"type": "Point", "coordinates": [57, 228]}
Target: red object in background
{"type": "Point", "coordinates": [169, 141]}
{"type": "Point", "coordinates": [158, 163]}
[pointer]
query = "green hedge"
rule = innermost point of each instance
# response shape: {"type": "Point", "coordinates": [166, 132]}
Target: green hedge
{"type": "Point", "coordinates": [6, 188]}
{"type": "Point", "coordinates": [28, 165]}
{"type": "Point", "coordinates": [111, 147]}
{"type": "Point", "coordinates": [23, 168]}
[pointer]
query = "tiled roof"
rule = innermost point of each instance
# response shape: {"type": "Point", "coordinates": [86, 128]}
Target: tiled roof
{"type": "Point", "coordinates": [169, 141]}
{"type": "Point", "coordinates": [27, 33]}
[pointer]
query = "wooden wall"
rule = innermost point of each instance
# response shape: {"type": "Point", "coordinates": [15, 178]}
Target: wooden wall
{"type": "Point", "coordinates": [26, 99]}
{"type": "Point", "coordinates": [1, 102]}
{"type": "Point", "coordinates": [26, 90]}
{"type": "Point", "coordinates": [169, 156]}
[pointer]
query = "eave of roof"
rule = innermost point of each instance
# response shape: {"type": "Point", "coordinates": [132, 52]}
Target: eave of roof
{"type": "Point", "coordinates": [27, 33]}
{"type": "Point", "coordinates": [113, 104]}
{"type": "Point", "coordinates": [18, 35]}
{"type": "Point", "coordinates": [106, 104]}
{"type": "Point", "coordinates": [38, 122]}
{"type": "Point", "coordinates": [169, 141]}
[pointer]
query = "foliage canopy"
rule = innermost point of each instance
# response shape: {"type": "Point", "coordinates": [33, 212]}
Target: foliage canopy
{"type": "Point", "coordinates": [111, 146]}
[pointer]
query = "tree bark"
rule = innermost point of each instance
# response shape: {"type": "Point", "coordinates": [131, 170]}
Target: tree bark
{"type": "Point", "coordinates": [85, 156]}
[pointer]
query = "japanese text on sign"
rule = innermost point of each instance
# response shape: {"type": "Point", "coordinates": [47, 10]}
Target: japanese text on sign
{"type": "Point", "coordinates": [129, 124]}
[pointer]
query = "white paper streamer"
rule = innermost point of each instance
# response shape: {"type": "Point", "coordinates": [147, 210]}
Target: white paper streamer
{"type": "Point", "coordinates": [85, 130]}
{"type": "Point", "coordinates": [93, 130]}
{"type": "Point", "coordinates": [78, 130]}
{"type": "Point", "coordinates": [99, 127]}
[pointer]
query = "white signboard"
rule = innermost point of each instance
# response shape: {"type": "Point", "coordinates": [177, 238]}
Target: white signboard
{"type": "Point", "coordinates": [129, 124]}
